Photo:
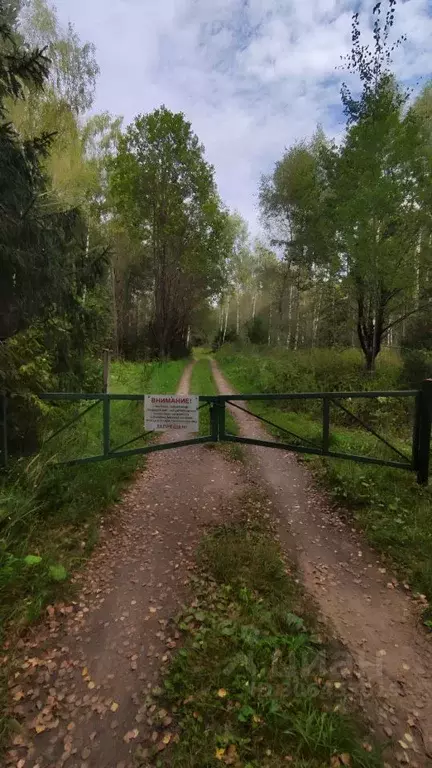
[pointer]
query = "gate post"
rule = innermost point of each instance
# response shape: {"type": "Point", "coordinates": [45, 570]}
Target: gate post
{"type": "Point", "coordinates": [106, 424]}
{"type": "Point", "coordinates": [4, 445]}
{"type": "Point", "coordinates": [326, 425]}
{"type": "Point", "coordinates": [222, 406]}
{"type": "Point", "coordinates": [423, 432]}
{"type": "Point", "coordinates": [214, 420]}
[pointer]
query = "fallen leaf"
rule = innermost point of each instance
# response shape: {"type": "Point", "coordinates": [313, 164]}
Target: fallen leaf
{"type": "Point", "coordinates": [91, 685]}
{"type": "Point", "coordinates": [231, 755]}
{"type": "Point", "coordinates": [130, 735]}
{"type": "Point", "coordinates": [84, 672]}
{"type": "Point", "coordinates": [40, 728]}
{"type": "Point", "coordinates": [222, 693]}
{"type": "Point", "coordinates": [337, 685]}
{"type": "Point", "coordinates": [219, 753]}
{"type": "Point", "coordinates": [114, 706]}
{"type": "Point", "coordinates": [20, 763]}
{"type": "Point", "coordinates": [345, 758]}
{"type": "Point", "coordinates": [167, 738]}
{"type": "Point", "coordinates": [408, 738]}
{"type": "Point", "coordinates": [402, 743]}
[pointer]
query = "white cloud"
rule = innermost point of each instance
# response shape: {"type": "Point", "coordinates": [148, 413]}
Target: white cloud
{"type": "Point", "coordinates": [251, 75]}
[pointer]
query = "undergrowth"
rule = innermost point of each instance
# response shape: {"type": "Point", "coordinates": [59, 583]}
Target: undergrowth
{"type": "Point", "coordinates": [386, 504]}
{"type": "Point", "coordinates": [251, 685]}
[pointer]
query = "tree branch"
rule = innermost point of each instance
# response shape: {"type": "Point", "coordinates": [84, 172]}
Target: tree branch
{"type": "Point", "coordinates": [404, 317]}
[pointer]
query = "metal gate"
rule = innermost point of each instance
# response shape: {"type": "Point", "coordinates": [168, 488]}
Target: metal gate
{"type": "Point", "coordinates": [417, 462]}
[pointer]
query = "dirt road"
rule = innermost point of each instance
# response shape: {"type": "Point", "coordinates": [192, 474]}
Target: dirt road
{"type": "Point", "coordinates": [355, 594]}
{"type": "Point", "coordinates": [79, 690]}
{"type": "Point", "coordinates": [80, 687]}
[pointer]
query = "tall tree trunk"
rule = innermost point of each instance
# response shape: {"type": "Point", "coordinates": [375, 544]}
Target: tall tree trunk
{"type": "Point", "coordinates": [238, 316]}
{"type": "Point", "coordinates": [289, 334]}
{"type": "Point", "coordinates": [316, 319]}
{"type": "Point", "coordinates": [269, 326]}
{"type": "Point", "coordinates": [297, 327]}
{"type": "Point", "coordinates": [114, 312]}
{"type": "Point", "coordinates": [226, 321]}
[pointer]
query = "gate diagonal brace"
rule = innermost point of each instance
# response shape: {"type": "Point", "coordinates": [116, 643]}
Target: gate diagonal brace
{"type": "Point", "coordinates": [371, 430]}
{"type": "Point", "coordinates": [272, 424]}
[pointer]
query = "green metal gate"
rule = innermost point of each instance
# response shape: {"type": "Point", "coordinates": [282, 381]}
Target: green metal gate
{"type": "Point", "coordinates": [417, 462]}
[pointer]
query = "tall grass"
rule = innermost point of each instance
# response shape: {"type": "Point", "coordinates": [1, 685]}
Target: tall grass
{"type": "Point", "coordinates": [266, 370]}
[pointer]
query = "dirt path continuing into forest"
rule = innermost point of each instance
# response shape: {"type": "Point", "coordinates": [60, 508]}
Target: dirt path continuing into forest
{"type": "Point", "coordinates": [355, 594]}
{"type": "Point", "coordinates": [79, 690]}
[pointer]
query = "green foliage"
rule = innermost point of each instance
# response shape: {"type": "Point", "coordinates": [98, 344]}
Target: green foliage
{"type": "Point", "coordinates": [257, 330]}
{"type": "Point", "coordinates": [417, 351]}
{"type": "Point", "coordinates": [249, 684]}
{"type": "Point", "coordinates": [74, 68]}
{"type": "Point", "coordinates": [164, 194]}
{"type": "Point", "coordinates": [358, 214]}
{"type": "Point", "coordinates": [264, 369]}
{"type": "Point", "coordinates": [51, 295]}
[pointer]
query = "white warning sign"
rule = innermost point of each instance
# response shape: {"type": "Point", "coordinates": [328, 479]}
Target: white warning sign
{"type": "Point", "coordinates": [165, 412]}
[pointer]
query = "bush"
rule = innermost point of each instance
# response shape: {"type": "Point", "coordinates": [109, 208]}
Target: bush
{"type": "Point", "coordinates": [257, 331]}
{"type": "Point", "coordinates": [417, 366]}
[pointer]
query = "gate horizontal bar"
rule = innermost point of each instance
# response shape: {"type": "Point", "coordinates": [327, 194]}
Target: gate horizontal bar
{"type": "Point", "coordinates": [71, 396]}
{"type": "Point", "coordinates": [320, 395]}
{"type": "Point", "coordinates": [317, 452]}
{"type": "Point", "coordinates": [136, 451]}
{"type": "Point", "coordinates": [224, 398]}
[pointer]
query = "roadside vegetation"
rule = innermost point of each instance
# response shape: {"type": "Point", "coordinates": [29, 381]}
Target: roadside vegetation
{"type": "Point", "coordinates": [49, 515]}
{"type": "Point", "coordinates": [252, 684]}
{"type": "Point", "coordinates": [386, 504]}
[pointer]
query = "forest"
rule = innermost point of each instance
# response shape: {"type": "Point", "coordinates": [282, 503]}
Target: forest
{"type": "Point", "coordinates": [114, 238]}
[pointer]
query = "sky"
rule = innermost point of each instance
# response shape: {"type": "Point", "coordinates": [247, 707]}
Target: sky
{"type": "Point", "coordinates": [252, 76]}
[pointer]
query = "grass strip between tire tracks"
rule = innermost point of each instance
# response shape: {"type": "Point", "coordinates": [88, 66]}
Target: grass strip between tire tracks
{"type": "Point", "coordinates": [251, 686]}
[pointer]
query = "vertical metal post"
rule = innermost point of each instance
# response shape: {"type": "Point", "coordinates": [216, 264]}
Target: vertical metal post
{"type": "Point", "coordinates": [424, 431]}
{"type": "Point", "coordinates": [106, 369]}
{"type": "Point", "coordinates": [221, 408]}
{"type": "Point", "coordinates": [4, 452]}
{"type": "Point", "coordinates": [416, 431]}
{"type": "Point", "coordinates": [106, 424]}
{"type": "Point", "coordinates": [326, 425]}
{"type": "Point", "coordinates": [214, 420]}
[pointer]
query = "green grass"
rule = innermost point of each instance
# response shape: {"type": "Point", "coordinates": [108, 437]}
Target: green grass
{"type": "Point", "coordinates": [202, 383]}
{"type": "Point", "coordinates": [250, 685]}
{"type": "Point", "coordinates": [386, 504]}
